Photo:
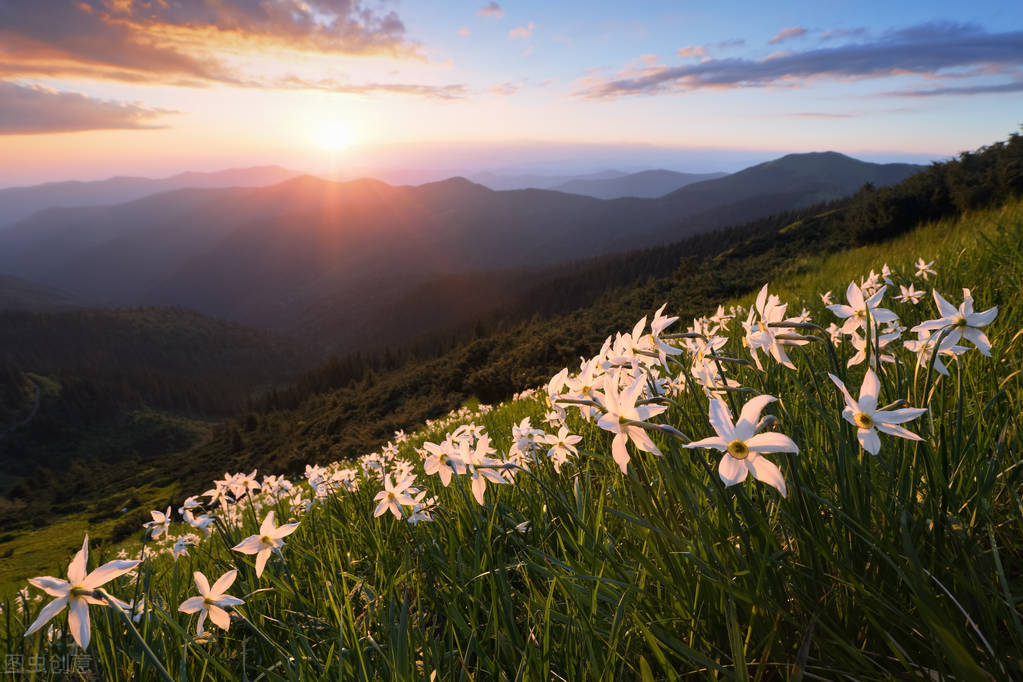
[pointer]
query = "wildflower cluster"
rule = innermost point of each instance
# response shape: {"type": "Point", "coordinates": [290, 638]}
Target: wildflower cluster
{"type": "Point", "coordinates": [630, 392]}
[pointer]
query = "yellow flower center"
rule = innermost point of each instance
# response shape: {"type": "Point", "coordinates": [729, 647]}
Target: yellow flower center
{"type": "Point", "coordinates": [861, 313]}
{"type": "Point", "coordinates": [207, 602]}
{"type": "Point", "coordinates": [738, 449]}
{"type": "Point", "coordinates": [961, 322]}
{"type": "Point", "coordinates": [266, 540]}
{"type": "Point", "coordinates": [79, 591]}
{"type": "Point", "coordinates": [863, 421]}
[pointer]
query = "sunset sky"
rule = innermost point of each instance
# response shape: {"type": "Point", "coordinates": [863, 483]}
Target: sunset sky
{"type": "Point", "coordinates": [93, 88]}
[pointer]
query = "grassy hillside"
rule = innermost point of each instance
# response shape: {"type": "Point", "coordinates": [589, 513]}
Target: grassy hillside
{"type": "Point", "coordinates": [896, 565]}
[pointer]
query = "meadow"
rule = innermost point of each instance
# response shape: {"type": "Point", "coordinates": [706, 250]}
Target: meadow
{"type": "Point", "coordinates": [492, 545]}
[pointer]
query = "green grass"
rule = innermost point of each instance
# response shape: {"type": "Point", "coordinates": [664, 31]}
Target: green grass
{"type": "Point", "coordinates": [905, 565]}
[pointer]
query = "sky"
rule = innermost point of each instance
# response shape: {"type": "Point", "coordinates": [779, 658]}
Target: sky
{"type": "Point", "coordinates": [95, 88]}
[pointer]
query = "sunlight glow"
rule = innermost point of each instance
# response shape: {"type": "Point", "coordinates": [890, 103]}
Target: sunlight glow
{"type": "Point", "coordinates": [333, 137]}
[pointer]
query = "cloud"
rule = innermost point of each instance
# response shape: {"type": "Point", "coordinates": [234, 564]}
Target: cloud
{"type": "Point", "coordinates": [787, 34]}
{"type": "Point", "coordinates": [505, 89]}
{"type": "Point", "coordinates": [183, 43]}
{"type": "Point", "coordinates": [843, 33]}
{"type": "Point", "coordinates": [464, 31]}
{"type": "Point", "coordinates": [819, 114]}
{"type": "Point", "coordinates": [523, 32]}
{"type": "Point", "coordinates": [441, 92]}
{"type": "Point", "coordinates": [999, 88]}
{"type": "Point", "coordinates": [34, 109]}
{"type": "Point", "coordinates": [692, 51]}
{"type": "Point", "coordinates": [491, 9]}
{"type": "Point", "coordinates": [927, 50]}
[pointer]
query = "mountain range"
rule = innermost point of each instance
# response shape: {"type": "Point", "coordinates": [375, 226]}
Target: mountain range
{"type": "Point", "coordinates": [17, 203]}
{"type": "Point", "coordinates": [646, 184]}
{"type": "Point", "coordinates": [315, 258]}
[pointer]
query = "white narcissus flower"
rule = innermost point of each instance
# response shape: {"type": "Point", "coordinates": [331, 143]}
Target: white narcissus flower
{"type": "Point", "coordinates": [442, 461]}
{"type": "Point", "coordinates": [393, 497]}
{"type": "Point", "coordinates": [964, 323]}
{"type": "Point", "coordinates": [621, 411]}
{"type": "Point", "coordinates": [855, 314]}
{"type": "Point", "coordinates": [923, 268]}
{"type": "Point", "coordinates": [868, 420]}
{"type": "Point", "coordinates": [212, 600]}
{"type": "Point", "coordinates": [743, 446]}
{"type": "Point", "coordinates": [160, 523]}
{"type": "Point", "coordinates": [910, 294]}
{"type": "Point", "coordinates": [562, 447]}
{"type": "Point", "coordinates": [269, 539]}
{"type": "Point", "coordinates": [76, 592]}
{"type": "Point", "coordinates": [761, 335]}
{"type": "Point", "coordinates": [826, 297]}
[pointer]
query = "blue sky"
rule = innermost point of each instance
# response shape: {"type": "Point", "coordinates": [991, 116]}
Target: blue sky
{"type": "Point", "coordinates": [92, 88]}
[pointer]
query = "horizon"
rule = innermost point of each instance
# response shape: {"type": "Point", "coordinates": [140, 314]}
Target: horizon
{"type": "Point", "coordinates": [92, 90]}
{"type": "Point", "coordinates": [398, 176]}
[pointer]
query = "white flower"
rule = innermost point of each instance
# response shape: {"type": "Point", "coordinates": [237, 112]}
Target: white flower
{"type": "Point", "coordinates": [77, 592]}
{"type": "Point", "coordinates": [623, 416]}
{"type": "Point", "coordinates": [761, 335]}
{"type": "Point", "coordinates": [924, 349]}
{"type": "Point", "coordinates": [964, 323]}
{"type": "Point", "coordinates": [855, 314]}
{"type": "Point", "coordinates": [743, 446]}
{"type": "Point", "coordinates": [826, 297]}
{"type": "Point", "coordinates": [160, 523]}
{"type": "Point", "coordinates": [562, 447]}
{"type": "Point", "coordinates": [269, 539]}
{"type": "Point", "coordinates": [923, 269]}
{"type": "Point", "coordinates": [442, 461]}
{"type": "Point", "coordinates": [910, 294]}
{"type": "Point", "coordinates": [864, 415]}
{"type": "Point", "coordinates": [393, 497]}
{"type": "Point", "coordinates": [212, 600]}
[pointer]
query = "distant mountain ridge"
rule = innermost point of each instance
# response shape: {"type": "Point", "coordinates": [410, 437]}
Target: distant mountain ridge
{"type": "Point", "coordinates": [645, 184]}
{"type": "Point", "coordinates": [17, 203]}
{"type": "Point", "coordinates": [309, 255]}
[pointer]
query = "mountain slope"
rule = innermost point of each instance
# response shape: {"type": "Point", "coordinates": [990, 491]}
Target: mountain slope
{"type": "Point", "coordinates": [818, 176]}
{"type": "Point", "coordinates": [21, 294]}
{"type": "Point", "coordinates": [646, 184]}
{"type": "Point", "coordinates": [17, 203]}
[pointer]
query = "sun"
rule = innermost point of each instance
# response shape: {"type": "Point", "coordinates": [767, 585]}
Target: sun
{"type": "Point", "coordinates": [333, 137]}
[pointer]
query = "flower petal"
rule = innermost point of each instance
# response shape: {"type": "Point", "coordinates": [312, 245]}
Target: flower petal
{"type": "Point", "coordinates": [77, 569]}
{"type": "Point", "coordinates": [285, 530]}
{"type": "Point", "coordinates": [721, 419]}
{"type": "Point", "coordinates": [898, 416]}
{"type": "Point", "coordinates": [750, 415]}
{"type": "Point", "coordinates": [249, 545]}
{"type": "Point", "coordinates": [712, 442]}
{"type": "Point", "coordinates": [55, 587]}
{"type": "Point", "coordinates": [191, 605]}
{"type": "Point", "coordinates": [869, 391]}
{"type": "Point", "coordinates": [267, 527]}
{"type": "Point", "coordinates": [48, 612]}
{"type": "Point", "coordinates": [766, 472]}
{"type": "Point", "coordinates": [620, 453]}
{"type": "Point", "coordinates": [224, 582]}
{"type": "Point", "coordinates": [869, 439]}
{"type": "Point", "coordinates": [201, 583]}
{"type": "Point", "coordinates": [261, 558]}
{"type": "Point", "coordinates": [852, 404]}
{"type": "Point", "coordinates": [772, 442]}
{"type": "Point", "coordinates": [108, 572]}
{"type": "Point", "coordinates": [899, 431]}
{"type": "Point", "coordinates": [78, 622]}
{"type": "Point", "coordinates": [732, 470]}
